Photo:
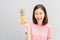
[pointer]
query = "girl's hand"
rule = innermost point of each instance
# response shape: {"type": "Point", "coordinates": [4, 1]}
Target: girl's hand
{"type": "Point", "coordinates": [23, 21]}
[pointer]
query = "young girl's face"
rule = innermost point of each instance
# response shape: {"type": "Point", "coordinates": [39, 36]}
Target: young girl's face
{"type": "Point", "coordinates": [39, 15]}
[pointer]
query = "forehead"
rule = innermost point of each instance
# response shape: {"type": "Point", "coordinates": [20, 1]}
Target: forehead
{"type": "Point", "coordinates": [39, 10]}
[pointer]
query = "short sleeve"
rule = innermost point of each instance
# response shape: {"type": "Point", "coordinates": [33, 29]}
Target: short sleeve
{"type": "Point", "coordinates": [49, 32]}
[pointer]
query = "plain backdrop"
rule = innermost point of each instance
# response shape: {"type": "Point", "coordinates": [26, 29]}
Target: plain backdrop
{"type": "Point", "coordinates": [10, 28]}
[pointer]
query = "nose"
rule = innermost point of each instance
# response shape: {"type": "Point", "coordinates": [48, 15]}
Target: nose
{"type": "Point", "coordinates": [39, 15]}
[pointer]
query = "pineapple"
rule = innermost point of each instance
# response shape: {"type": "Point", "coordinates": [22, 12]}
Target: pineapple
{"type": "Point", "coordinates": [23, 21]}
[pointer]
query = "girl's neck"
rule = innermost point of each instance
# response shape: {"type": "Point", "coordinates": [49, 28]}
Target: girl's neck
{"type": "Point", "coordinates": [40, 23]}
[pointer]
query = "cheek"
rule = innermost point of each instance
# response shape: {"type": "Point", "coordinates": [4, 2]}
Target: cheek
{"type": "Point", "coordinates": [43, 16]}
{"type": "Point", "coordinates": [36, 16]}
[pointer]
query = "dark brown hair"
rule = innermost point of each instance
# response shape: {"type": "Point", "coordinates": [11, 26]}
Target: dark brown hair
{"type": "Point", "coordinates": [45, 20]}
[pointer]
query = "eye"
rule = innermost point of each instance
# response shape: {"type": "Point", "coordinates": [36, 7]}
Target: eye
{"type": "Point", "coordinates": [40, 13]}
{"type": "Point", "coordinates": [36, 13]}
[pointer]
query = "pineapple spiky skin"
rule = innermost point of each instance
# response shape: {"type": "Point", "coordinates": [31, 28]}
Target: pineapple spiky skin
{"type": "Point", "coordinates": [23, 21]}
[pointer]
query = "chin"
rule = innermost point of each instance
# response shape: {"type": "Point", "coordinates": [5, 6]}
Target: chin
{"type": "Point", "coordinates": [39, 20]}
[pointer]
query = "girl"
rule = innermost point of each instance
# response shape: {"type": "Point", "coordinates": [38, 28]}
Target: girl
{"type": "Point", "coordinates": [38, 29]}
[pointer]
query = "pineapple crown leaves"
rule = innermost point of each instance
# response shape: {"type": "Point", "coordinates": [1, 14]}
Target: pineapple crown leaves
{"type": "Point", "coordinates": [22, 12]}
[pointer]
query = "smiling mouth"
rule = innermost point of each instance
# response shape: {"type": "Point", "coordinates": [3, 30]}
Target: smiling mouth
{"type": "Point", "coordinates": [39, 18]}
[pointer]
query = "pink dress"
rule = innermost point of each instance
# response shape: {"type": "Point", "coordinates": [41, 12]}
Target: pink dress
{"type": "Point", "coordinates": [40, 32]}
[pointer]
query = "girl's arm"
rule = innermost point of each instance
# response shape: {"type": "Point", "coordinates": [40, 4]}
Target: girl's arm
{"type": "Point", "coordinates": [28, 34]}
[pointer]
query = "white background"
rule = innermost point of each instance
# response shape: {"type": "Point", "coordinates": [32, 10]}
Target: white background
{"type": "Point", "coordinates": [10, 29]}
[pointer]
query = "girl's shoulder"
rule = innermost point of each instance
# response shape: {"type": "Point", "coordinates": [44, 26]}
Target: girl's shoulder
{"type": "Point", "coordinates": [48, 26]}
